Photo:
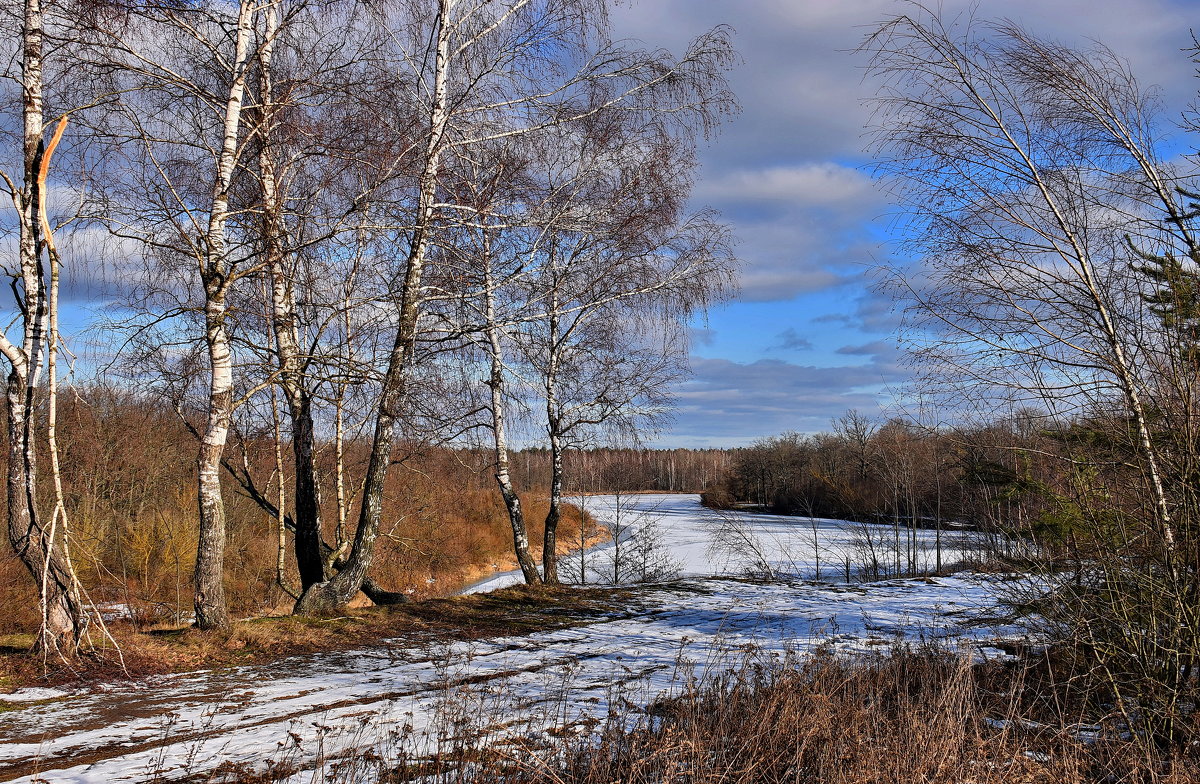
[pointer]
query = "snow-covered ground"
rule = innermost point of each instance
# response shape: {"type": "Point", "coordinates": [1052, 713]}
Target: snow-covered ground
{"type": "Point", "coordinates": [698, 542]}
{"type": "Point", "coordinates": [419, 696]}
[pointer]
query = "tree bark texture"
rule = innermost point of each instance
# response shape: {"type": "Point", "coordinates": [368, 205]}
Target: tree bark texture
{"type": "Point", "coordinates": [554, 431]}
{"type": "Point", "coordinates": [285, 324]}
{"type": "Point", "coordinates": [38, 547]}
{"type": "Point", "coordinates": [210, 605]}
{"type": "Point", "coordinates": [328, 596]}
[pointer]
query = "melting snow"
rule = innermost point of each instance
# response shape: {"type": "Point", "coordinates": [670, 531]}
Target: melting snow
{"type": "Point", "coordinates": [418, 696]}
{"type": "Point", "coordinates": [34, 694]}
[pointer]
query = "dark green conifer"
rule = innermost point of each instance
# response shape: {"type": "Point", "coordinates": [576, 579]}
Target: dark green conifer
{"type": "Point", "coordinates": [1176, 297]}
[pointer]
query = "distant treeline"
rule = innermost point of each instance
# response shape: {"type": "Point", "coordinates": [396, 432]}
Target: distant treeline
{"type": "Point", "coordinates": [606, 470]}
{"type": "Point", "coordinates": [1022, 475]}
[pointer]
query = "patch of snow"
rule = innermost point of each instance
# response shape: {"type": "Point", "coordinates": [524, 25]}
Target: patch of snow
{"type": "Point", "coordinates": [419, 697]}
{"type": "Point", "coordinates": [34, 694]}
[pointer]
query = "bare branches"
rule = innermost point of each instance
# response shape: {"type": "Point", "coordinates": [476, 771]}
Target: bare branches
{"type": "Point", "coordinates": [298, 191]}
{"type": "Point", "coordinates": [1039, 204]}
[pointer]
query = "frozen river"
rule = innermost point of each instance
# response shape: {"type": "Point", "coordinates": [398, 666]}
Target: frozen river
{"type": "Point", "coordinates": [688, 540]}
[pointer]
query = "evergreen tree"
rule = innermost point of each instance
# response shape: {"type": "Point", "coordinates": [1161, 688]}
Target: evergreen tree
{"type": "Point", "coordinates": [1176, 298]}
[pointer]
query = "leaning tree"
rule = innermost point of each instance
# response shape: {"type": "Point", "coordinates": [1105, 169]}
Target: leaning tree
{"type": "Point", "coordinates": [1035, 182]}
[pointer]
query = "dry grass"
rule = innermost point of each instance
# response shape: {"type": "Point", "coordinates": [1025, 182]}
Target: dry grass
{"type": "Point", "coordinates": [517, 610]}
{"type": "Point", "coordinates": [18, 597]}
{"type": "Point", "coordinates": [904, 717]}
{"type": "Point", "coordinates": [128, 468]}
{"type": "Point", "coordinates": [456, 536]}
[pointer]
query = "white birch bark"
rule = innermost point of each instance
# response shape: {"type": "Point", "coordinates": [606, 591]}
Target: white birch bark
{"type": "Point", "coordinates": [39, 547]}
{"type": "Point", "coordinates": [210, 604]}
{"type": "Point", "coordinates": [555, 433]}
{"type": "Point", "coordinates": [512, 501]}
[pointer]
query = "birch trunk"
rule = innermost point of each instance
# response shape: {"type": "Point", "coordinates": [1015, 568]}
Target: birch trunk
{"type": "Point", "coordinates": [554, 514]}
{"type": "Point", "coordinates": [307, 494]}
{"type": "Point", "coordinates": [38, 548]}
{"type": "Point", "coordinates": [512, 501]}
{"type": "Point", "coordinates": [554, 431]}
{"type": "Point", "coordinates": [65, 576]}
{"type": "Point", "coordinates": [327, 596]}
{"type": "Point", "coordinates": [210, 605]}
{"type": "Point", "coordinates": [211, 609]}
{"type": "Point", "coordinates": [280, 506]}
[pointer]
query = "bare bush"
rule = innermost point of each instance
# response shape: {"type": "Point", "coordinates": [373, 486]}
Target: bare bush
{"type": "Point", "coordinates": [638, 552]}
{"type": "Point", "coordinates": [733, 541]}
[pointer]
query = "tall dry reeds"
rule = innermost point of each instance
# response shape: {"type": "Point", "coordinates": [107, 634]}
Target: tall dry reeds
{"type": "Point", "coordinates": [906, 716]}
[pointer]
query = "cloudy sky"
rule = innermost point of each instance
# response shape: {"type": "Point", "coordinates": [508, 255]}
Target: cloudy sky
{"type": "Point", "coordinates": [807, 339]}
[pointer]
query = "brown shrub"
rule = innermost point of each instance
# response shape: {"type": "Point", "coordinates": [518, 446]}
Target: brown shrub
{"type": "Point", "coordinates": [129, 478]}
{"type": "Point", "coordinates": [904, 717]}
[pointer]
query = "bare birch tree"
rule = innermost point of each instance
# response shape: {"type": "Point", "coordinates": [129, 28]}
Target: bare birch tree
{"type": "Point", "coordinates": [616, 284]}
{"type": "Point", "coordinates": [489, 251]}
{"type": "Point", "coordinates": [481, 72]}
{"type": "Point", "coordinates": [495, 341]}
{"type": "Point", "coordinates": [182, 129]}
{"type": "Point", "coordinates": [590, 271]}
{"type": "Point", "coordinates": [30, 347]}
{"type": "Point", "coordinates": [315, 196]}
{"type": "Point", "coordinates": [1034, 177]}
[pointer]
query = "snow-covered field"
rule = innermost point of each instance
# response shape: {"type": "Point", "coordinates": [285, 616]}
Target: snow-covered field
{"type": "Point", "coordinates": [417, 696]}
{"type": "Point", "coordinates": [676, 529]}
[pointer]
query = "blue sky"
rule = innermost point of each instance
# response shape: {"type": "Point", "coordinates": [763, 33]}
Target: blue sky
{"type": "Point", "coordinates": [807, 338]}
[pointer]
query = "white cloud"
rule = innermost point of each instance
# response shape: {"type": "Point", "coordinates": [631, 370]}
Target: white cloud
{"type": "Point", "coordinates": [800, 228]}
{"type": "Point", "coordinates": [784, 171]}
{"type": "Point", "coordinates": [820, 184]}
{"type": "Point", "coordinates": [802, 86]}
{"type": "Point", "coordinates": [728, 403]}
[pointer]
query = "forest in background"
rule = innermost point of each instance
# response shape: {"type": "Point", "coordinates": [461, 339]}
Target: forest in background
{"type": "Point", "coordinates": [1025, 477]}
